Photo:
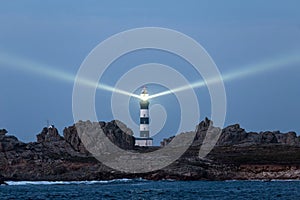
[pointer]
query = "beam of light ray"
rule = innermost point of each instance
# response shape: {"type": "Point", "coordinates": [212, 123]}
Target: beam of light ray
{"type": "Point", "coordinates": [48, 71]}
{"type": "Point", "coordinates": [240, 73]}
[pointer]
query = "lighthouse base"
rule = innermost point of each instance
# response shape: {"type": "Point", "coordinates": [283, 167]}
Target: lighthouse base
{"type": "Point", "coordinates": [144, 142]}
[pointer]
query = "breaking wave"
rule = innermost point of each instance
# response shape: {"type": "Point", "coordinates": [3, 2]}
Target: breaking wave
{"type": "Point", "coordinates": [72, 182]}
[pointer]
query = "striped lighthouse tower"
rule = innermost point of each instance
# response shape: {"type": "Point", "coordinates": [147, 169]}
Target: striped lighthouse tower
{"type": "Point", "coordinates": [144, 139]}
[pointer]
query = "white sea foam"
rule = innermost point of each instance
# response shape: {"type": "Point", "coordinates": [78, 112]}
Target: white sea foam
{"type": "Point", "coordinates": [67, 182]}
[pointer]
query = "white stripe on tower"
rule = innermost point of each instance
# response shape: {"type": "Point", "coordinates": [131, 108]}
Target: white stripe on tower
{"type": "Point", "coordinates": [144, 113]}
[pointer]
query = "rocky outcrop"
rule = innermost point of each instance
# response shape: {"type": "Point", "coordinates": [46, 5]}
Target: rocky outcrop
{"type": "Point", "coordinates": [115, 130]}
{"type": "Point", "coordinates": [9, 143]}
{"type": "Point", "coordinates": [289, 138]}
{"type": "Point", "coordinates": [238, 155]}
{"type": "Point", "coordinates": [54, 157]}
{"type": "Point", "coordinates": [71, 137]}
{"type": "Point", "coordinates": [3, 131]}
{"type": "Point", "coordinates": [49, 134]}
{"type": "Point", "coordinates": [235, 135]}
{"type": "Point", "coordinates": [202, 129]}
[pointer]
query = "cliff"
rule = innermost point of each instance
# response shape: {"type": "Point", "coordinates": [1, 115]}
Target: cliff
{"type": "Point", "coordinates": [237, 155]}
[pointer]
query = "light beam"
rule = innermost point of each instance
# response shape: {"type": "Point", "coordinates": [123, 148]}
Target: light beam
{"type": "Point", "coordinates": [240, 73]}
{"type": "Point", "coordinates": [48, 71]}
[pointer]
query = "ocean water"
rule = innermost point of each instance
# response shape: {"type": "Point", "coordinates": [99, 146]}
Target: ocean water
{"type": "Point", "coordinates": [143, 189]}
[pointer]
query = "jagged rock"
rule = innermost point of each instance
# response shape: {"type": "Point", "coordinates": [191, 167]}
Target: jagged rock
{"type": "Point", "coordinates": [251, 139]}
{"type": "Point", "coordinates": [71, 136]}
{"type": "Point", "coordinates": [119, 134]}
{"type": "Point", "coordinates": [235, 135]}
{"type": "Point", "coordinates": [202, 129]}
{"type": "Point", "coordinates": [3, 131]}
{"type": "Point", "coordinates": [123, 127]}
{"type": "Point", "coordinates": [49, 135]}
{"type": "Point", "coordinates": [289, 138]}
{"type": "Point", "coordinates": [116, 131]}
{"type": "Point", "coordinates": [8, 143]}
{"type": "Point", "coordinates": [232, 135]}
{"type": "Point", "coordinates": [53, 158]}
{"type": "Point", "coordinates": [268, 138]}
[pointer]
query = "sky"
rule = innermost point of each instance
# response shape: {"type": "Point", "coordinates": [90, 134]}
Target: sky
{"type": "Point", "coordinates": [242, 37]}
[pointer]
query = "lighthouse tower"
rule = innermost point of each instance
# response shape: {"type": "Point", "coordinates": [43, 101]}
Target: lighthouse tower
{"type": "Point", "coordinates": [144, 139]}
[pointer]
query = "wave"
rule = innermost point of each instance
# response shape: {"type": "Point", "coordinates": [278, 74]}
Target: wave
{"type": "Point", "coordinates": [72, 182]}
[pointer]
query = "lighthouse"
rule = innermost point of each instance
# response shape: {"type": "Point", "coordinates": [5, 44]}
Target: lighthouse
{"type": "Point", "coordinates": [144, 139]}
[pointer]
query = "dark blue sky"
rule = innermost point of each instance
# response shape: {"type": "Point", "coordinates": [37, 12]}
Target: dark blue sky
{"type": "Point", "coordinates": [237, 34]}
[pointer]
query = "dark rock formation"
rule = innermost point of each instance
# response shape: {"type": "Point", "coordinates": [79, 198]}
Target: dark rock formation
{"type": "Point", "coordinates": [235, 135]}
{"type": "Point", "coordinates": [267, 137]}
{"type": "Point", "coordinates": [54, 157]}
{"type": "Point", "coordinates": [115, 130]}
{"type": "Point", "coordinates": [9, 143]}
{"type": "Point", "coordinates": [3, 131]}
{"type": "Point", "coordinates": [289, 138]}
{"type": "Point", "coordinates": [71, 136]}
{"type": "Point", "coordinates": [245, 155]}
{"type": "Point", "coordinates": [2, 182]}
{"type": "Point", "coordinates": [49, 134]}
{"type": "Point", "coordinates": [237, 155]}
{"type": "Point", "coordinates": [202, 128]}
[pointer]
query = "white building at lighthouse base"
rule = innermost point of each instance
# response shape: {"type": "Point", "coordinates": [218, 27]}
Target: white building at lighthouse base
{"type": "Point", "coordinates": [143, 142]}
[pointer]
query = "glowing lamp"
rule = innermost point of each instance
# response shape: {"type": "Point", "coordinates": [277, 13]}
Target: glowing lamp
{"type": "Point", "coordinates": [144, 96]}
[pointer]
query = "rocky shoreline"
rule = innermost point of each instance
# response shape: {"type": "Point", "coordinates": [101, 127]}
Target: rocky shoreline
{"type": "Point", "coordinates": [238, 155]}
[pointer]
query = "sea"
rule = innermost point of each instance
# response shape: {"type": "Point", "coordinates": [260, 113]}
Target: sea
{"type": "Point", "coordinates": [144, 189]}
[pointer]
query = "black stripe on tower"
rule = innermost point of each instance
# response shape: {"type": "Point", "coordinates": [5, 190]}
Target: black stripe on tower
{"type": "Point", "coordinates": [144, 120]}
{"type": "Point", "coordinates": [144, 104]}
